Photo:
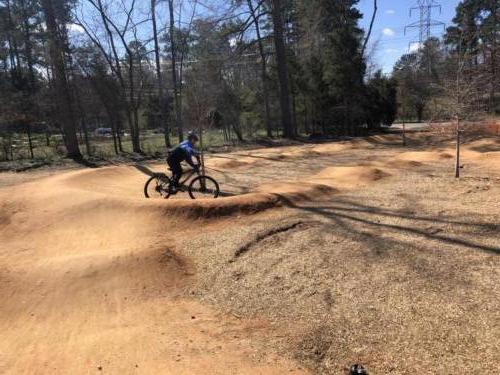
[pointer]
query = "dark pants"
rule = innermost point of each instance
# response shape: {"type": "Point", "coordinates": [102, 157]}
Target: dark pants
{"type": "Point", "coordinates": [175, 167]}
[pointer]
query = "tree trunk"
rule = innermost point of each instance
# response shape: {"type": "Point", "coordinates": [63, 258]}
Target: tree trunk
{"type": "Point", "coordinates": [119, 128]}
{"type": "Point", "coordinates": [83, 122]}
{"type": "Point", "coordinates": [134, 116]}
{"type": "Point", "coordinates": [263, 73]}
{"type": "Point", "coordinates": [294, 114]}
{"type": "Point", "coordinates": [307, 128]}
{"type": "Point", "coordinates": [237, 131]}
{"type": "Point", "coordinates": [183, 53]}
{"type": "Point", "coordinates": [10, 42]}
{"type": "Point", "coordinates": [28, 46]}
{"type": "Point", "coordinates": [279, 42]}
{"type": "Point", "coordinates": [114, 134]}
{"type": "Point", "coordinates": [30, 142]}
{"type": "Point", "coordinates": [159, 76]}
{"type": "Point", "coordinates": [86, 135]}
{"type": "Point", "coordinates": [178, 119]}
{"type": "Point", "coordinates": [494, 64]}
{"type": "Point", "coordinates": [63, 93]}
{"type": "Point", "coordinates": [374, 14]}
{"type": "Point", "coordinates": [420, 113]}
{"type": "Point", "coordinates": [457, 156]}
{"type": "Point", "coordinates": [13, 50]}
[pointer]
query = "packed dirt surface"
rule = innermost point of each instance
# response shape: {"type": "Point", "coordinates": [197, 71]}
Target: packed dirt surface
{"type": "Point", "coordinates": [316, 257]}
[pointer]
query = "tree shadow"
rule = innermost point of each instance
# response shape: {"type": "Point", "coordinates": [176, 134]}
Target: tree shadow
{"type": "Point", "coordinates": [353, 213]}
{"type": "Point", "coordinates": [145, 170]}
{"type": "Point", "coordinates": [487, 148]}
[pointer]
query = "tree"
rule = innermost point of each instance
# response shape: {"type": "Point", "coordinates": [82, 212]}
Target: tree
{"type": "Point", "coordinates": [334, 64]}
{"type": "Point", "coordinates": [56, 14]}
{"type": "Point", "coordinates": [412, 78]}
{"type": "Point", "coordinates": [263, 60]}
{"type": "Point", "coordinates": [381, 100]}
{"type": "Point", "coordinates": [173, 59]}
{"type": "Point", "coordinates": [282, 66]}
{"type": "Point", "coordinates": [476, 32]}
{"type": "Point", "coordinates": [159, 76]}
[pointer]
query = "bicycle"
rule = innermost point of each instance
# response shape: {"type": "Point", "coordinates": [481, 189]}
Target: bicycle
{"type": "Point", "coordinates": [200, 187]}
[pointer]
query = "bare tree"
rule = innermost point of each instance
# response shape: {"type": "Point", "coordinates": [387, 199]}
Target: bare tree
{"type": "Point", "coordinates": [159, 76]}
{"type": "Point", "coordinates": [265, 86]}
{"type": "Point", "coordinates": [374, 14]}
{"type": "Point", "coordinates": [62, 92]}
{"type": "Point", "coordinates": [178, 118]}
{"type": "Point", "coordinates": [282, 65]}
{"type": "Point", "coordinates": [129, 86]}
{"type": "Point", "coordinates": [184, 52]}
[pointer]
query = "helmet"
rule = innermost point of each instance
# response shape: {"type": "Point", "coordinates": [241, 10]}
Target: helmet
{"type": "Point", "coordinates": [192, 136]}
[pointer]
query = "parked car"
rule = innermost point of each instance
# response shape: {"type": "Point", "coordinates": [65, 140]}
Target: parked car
{"type": "Point", "coordinates": [103, 132]}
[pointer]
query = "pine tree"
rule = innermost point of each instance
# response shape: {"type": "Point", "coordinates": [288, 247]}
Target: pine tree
{"type": "Point", "coordinates": [336, 67]}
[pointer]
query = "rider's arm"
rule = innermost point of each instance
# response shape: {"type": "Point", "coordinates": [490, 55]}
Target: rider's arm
{"type": "Point", "coordinates": [189, 159]}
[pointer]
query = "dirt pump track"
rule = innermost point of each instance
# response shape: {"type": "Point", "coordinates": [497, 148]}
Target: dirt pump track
{"type": "Point", "coordinates": [95, 278]}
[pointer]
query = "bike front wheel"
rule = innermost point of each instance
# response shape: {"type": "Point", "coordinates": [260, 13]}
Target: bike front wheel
{"type": "Point", "coordinates": [158, 186]}
{"type": "Point", "coordinates": [203, 187]}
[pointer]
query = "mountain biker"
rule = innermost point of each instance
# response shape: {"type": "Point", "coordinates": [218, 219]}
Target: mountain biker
{"type": "Point", "coordinates": [183, 152]}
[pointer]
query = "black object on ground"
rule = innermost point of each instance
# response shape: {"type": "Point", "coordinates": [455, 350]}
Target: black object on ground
{"type": "Point", "coordinates": [357, 370]}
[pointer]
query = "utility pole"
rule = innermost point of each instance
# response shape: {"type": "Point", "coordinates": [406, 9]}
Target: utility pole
{"type": "Point", "coordinates": [425, 22]}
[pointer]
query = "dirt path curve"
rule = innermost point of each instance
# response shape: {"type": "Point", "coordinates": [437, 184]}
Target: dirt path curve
{"type": "Point", "coordinates": [89, 284]}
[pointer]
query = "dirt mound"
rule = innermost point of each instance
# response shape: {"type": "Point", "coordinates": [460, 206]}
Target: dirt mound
{"type": "Point", "coordinates": [403, 164]}
{"type": "Point", "coordinates": [121, 181]}
{"type": "Point", "coordinates": [346, 177]}
{"type": "Point", "coordinates": [297, 191]}
{"type": "Point", "coordinates": [331, 148]}
{"type": "Point", "coordinates": [122, 187]}
{"type": "Point", "coordinates": [489, 160]}
{"type": "Point", "coordinates": [377, 140]}
{"type": "Point", "coordinates": [424, 156]}
{"type": "Point", "coordinates": [484, 145]}
{"type": "Point", "coordinates": [229, 162]}
{"type": "Point", "coordinates": [93, 279]}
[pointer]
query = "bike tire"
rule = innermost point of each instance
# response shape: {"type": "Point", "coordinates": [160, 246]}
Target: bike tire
{"type": "Point", "coordinates": [161, 181]}
{"type": "Point", "coordinates": [214, 190]}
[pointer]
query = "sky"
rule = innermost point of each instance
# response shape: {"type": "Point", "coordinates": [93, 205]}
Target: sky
{"type": "Point", "coordinates": [389, 27]}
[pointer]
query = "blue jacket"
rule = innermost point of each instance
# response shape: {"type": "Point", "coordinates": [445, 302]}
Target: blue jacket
{"type": "Point", "coordinates": [184, 152]}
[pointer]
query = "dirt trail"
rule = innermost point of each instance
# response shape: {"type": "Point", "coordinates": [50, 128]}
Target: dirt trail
{"type": "Point", "coordinates": [89, 283]}
{"type": "Point", "coordinates": [92, 279]}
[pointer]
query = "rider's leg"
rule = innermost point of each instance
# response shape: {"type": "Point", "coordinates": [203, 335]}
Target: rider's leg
{"type": "Point", "coordinates": [176, 173]}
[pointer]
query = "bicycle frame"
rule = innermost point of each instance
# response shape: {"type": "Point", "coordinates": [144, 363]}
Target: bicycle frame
{"type": "Point", "coordinates": [188, 174]}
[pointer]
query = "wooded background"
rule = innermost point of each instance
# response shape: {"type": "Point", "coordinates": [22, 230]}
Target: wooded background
{"type": "Point", "coordinates": [103, 77]}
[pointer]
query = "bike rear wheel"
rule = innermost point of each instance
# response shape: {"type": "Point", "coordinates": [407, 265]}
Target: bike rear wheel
{"type": "Point", "coordinates": [158, 186]}
{"type": "Point", "coordinates": [203, 187]}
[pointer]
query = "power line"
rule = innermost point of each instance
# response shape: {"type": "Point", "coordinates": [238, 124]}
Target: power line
{"type": "Point", "coordinates": [425, 22]}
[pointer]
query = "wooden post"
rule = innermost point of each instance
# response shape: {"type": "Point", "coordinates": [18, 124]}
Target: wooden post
{"type": "Point", "coordinates": [403, 110]}
{"type": "Point", "coordinates": [202, 156]}
{"type": "Point", "coordinates": [457, 158]}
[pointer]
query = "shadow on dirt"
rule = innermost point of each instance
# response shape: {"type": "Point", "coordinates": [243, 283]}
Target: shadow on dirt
{"type": "Point", "coordinates": [344, 212]}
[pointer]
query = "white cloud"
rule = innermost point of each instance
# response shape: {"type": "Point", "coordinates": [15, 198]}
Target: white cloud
{"type": "Point", "coordinates": [74, 28]}
{"type": "Point", "coordinates": [390, 11]}
{"type": "Point", "coordinates": [388, 32]}
{"type": "Point", "coordinates": [414, 47]}
{"type": "Point", "coordinates": [233, 42]}
{"type": "Point", "coordinates": [391, 50]}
